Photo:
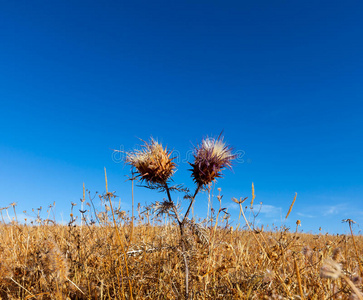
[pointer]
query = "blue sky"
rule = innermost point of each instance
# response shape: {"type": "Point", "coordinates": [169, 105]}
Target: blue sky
{"type": "Point", "coordinates": [282, 79]}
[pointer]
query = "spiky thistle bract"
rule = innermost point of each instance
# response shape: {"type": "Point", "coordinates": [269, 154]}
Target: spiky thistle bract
{"type": "Point", "coordinates": [210, 158]}
{"type": "Point", "coordinates": [153, 162]}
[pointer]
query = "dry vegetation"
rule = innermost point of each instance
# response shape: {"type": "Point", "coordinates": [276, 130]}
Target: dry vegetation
{"type": "Point", "coordinates": [48, 261]}
{"type": "Point", "coordinates": [161, 253]}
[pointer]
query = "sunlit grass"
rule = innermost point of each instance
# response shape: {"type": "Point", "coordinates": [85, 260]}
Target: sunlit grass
{"type": "Point", "coordinates": [161, 253]}
{"type": "Point", "coordinates": [52, 261]}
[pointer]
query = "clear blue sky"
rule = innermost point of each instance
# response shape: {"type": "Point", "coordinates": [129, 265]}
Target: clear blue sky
{"type": "Point", "coordinates": [283, 79]}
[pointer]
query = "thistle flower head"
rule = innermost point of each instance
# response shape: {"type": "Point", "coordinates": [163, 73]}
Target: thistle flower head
{"type": "Point", "coordinates": [152, 162]}
{"type": "Point", "coordinates": [210, 158]}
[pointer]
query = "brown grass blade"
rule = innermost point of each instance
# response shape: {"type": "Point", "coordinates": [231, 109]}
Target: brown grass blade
{"type": "Point", "coordinates": [292, 204]}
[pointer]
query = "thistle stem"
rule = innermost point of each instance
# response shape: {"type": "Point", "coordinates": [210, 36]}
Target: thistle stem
{"type": "Point", "coordinates": [171, 201]}
{"type": "Point", "coordinates": [181, 228]}
{"type": "Point", "coordinates": [191, 203]}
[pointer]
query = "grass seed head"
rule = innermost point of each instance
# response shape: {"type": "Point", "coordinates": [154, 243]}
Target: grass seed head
{"type": "Point", "coordinates": [331, 269]}
{"type": "Point", "coordinates": [153, 163]}
{"type": "Point", "coordinates": [210, 158]}
{"type": "Point", "coordinates": [336, 254]}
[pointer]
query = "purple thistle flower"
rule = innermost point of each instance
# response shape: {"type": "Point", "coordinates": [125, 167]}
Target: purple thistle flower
{"type": "Point", "coordinates": [210, 158]}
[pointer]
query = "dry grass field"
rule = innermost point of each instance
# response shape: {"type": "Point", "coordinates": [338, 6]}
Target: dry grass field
{"type": "Point", "coordinates": [143, 260]}
{"type": "Point", "coordinates": [158, 252]}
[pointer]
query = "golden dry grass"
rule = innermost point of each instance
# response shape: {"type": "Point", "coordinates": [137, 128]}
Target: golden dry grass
{"type": "Point", "coordinates": [162, 254]}
{"type": "Point", "coordinates": [48, 261]}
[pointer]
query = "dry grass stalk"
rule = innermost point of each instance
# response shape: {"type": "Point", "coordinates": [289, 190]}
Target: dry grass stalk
{"type": "Point", "coordinates": [253, 195]}
{"type": "Point", "coordinates": [290, 208]}
{"type": "Point", "coordinates": [351, 222]}
{"type": "Point", "coordinates": [110, 196]}
{"type": "Point", "coordinates": [299, 280]}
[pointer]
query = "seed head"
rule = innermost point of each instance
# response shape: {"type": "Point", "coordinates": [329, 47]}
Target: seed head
{"type": "Point", "coordinates": [54, 262]}
{"type": "Point", "coordinates": [210, 158]}
{"type": "Point", "coordinates": [331, 269]}
{"type": "Point", "coordinates": [153, 162]}
{"type": "Point", "coordinates": [336, 254]}
{"type": "Point", "coordinates": [307, 251]}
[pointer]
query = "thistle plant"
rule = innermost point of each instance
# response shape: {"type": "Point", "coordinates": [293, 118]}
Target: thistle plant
{"type": "Point", "coordinates": [210, 158]}
{"type": "Point", "coordinates": [155, 167]}
{"type": "Point", "coordinates": [153, 163]}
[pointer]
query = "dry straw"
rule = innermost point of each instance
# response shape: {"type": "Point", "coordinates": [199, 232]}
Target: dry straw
{"type": "Point", "coordinates": [333, 270]}
{"type": "Point", "coordinates": [253, 195]}
{"type": "Point", "coordinates": [292, 204]}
